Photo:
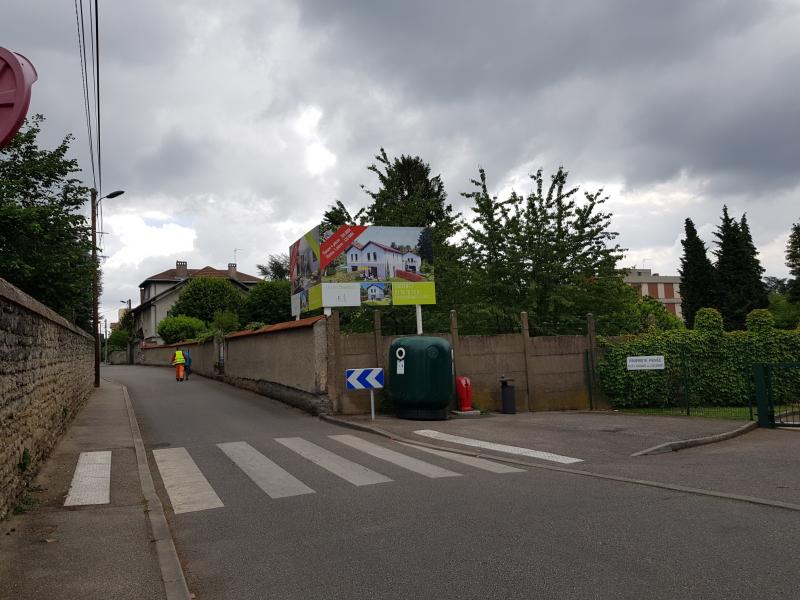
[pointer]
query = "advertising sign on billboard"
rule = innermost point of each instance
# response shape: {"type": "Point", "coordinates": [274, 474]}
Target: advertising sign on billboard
{"type": "Point", "coordinates": [356, 264]}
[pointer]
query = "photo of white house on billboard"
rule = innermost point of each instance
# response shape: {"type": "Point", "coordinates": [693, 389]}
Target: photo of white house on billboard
{"type": "Point", "coordinates": [360, 264]}
{"type": "Point", "coordinates": [380, 263]}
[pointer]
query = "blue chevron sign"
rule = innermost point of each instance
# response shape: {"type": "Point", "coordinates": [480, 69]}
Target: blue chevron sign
{"type": "Point", "coordinates": [364, 379]}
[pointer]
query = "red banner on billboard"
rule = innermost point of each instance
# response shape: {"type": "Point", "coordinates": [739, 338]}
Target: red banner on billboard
{"type": "Point", "coordinates": [338, 243]}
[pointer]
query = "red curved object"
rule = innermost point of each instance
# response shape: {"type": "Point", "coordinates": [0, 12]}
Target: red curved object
{"type": "Point", "coordinates": [17, 75]}
{"type": "Point", "coordinates": [464, 393]}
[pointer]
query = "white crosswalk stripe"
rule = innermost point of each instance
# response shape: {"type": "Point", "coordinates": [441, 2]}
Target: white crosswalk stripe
{"type": "Point", "coordinates": [396, 458]}
{"type": "Point", "coordinates": [346, 469]}
{"type": "Point", "coordinates": [91, 482]}
{"type": "Point", "coordinates": [187, 488]}
{"type": "Point", "coordinates": [267, 475]}
{"type": "Point", "coordinates": [472, 461]}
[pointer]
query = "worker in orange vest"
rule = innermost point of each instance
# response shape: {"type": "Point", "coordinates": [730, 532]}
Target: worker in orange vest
{"type": "Point", "coordinates": [179, 360]}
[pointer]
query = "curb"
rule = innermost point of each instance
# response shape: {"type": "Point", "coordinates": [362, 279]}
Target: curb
{"type": "Point", "coordinates": [513, 461]}
{"type": "Point", "coordinates": [172, 576]}
{"type": "Point", "coordinates": [701, 441]}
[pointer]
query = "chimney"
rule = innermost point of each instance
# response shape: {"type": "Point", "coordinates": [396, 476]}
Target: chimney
{"type": "Point", "coordinates": [181, 269]}
{"type": "Point", "coordinates": [232, 270]}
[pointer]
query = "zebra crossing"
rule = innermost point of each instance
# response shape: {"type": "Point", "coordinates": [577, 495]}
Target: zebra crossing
{"type": "Point", "coordinates": [189, 489]}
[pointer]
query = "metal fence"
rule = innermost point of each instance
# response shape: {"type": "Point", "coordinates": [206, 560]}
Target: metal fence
{"type": "Point", "coordinates": [777, 390]}
{"type": "Point", "coordinates": [678, 390]}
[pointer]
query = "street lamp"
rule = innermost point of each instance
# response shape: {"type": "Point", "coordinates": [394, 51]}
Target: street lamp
{"type": "Point", "coordinates": [96, 282]}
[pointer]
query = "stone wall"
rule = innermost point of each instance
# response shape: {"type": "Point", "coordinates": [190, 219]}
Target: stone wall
{"type": "Point", "coordinates": [286, 361]}
{"type": "Point", "coordinates": [46, 376]}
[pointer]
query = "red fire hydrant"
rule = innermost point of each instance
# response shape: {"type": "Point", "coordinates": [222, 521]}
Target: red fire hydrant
{"type": "Point", "coordinates": [464, 393]}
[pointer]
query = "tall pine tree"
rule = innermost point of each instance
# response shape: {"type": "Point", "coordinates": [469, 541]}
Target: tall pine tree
{"type": "Point", "coordinates": [753, 280]}
{"type": "Point", "coordinates": [738, 287]}
{"type": "Point", "coordinates": [793, 262]}
{"type": "Point", "coordinates": [697, 275]}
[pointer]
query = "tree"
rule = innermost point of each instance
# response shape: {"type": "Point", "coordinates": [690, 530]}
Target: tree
{"type": "Point", "coordinates": [118, 340]}
{"type": "Point", "coordinates": [697, 274]}
{"type": "Point", "coordinates": [268, 302]}
{"type": "Point", "coordinates": [738, 287]}
{"type": "Point", "coordinates": [776, 285]}
{"type": "Point", "coordinates": [204, 296]}
{"type": "Point", "coordinates": [544, 252]}
{"type": "Point", "coordinates": [178, 328]}
{"type": "Point", "coordinates": [793, 262]}
{"type": "Point", "coordinates": [338, 215]}
{"type": "Point", "coordinates": [45, 244]}
{"type": "Point", "coordinates": [753, 282]}
{"type": "Point", "coordinates": [787, 314]}
{"type": "Point", "coordinates": [277, 267]}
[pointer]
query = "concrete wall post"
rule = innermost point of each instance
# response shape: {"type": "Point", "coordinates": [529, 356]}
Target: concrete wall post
{"type": "Point", "coordinates": [376, 330]}
{"type": "Point", "coordinates": [526, 343]}
{"type": "Point", "coordinates": [456, 347]}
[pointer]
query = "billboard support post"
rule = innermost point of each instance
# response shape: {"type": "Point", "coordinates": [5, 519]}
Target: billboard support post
{"type": "Point", "coordinates": [419, 319]}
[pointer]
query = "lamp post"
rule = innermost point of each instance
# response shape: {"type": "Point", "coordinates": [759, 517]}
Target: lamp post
{"type": "Point", "coordinates": [128, 357]}
{"type": "Point", "coordinates": [96, 282]}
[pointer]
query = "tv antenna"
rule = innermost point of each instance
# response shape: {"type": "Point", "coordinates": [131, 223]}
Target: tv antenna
{"type": "Point", "coordinates": [235, 250]}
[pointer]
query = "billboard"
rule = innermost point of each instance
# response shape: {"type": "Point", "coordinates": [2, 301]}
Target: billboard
{"type": "Point", "coordinates": [357, 264]}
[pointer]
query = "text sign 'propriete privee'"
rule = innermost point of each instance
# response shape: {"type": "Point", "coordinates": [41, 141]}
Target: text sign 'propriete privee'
{"type": "Point", "coordinates": [364, 379]}
{"type": "Point", "coordinates": [645, 363]}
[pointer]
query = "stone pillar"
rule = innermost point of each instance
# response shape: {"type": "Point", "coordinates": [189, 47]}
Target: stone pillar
{"type": "Point", "coordinates": [526, 345]}
{"type": "Point", "coordinates": [334, 344]}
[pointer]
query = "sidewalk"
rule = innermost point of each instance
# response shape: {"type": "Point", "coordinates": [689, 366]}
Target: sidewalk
{"type": "Point", "coordinates": [88, 551]}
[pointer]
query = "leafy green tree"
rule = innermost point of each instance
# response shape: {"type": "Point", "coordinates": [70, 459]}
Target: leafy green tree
{"type": "Point", "coordinates": [786, 313]}
{"type": "Point", "coordinates": [205, 296]}
{"type": "Point", "coordinates": [544, 252]}
{"type": "Point", "coordinates": [697, 274]}
{"type": "Point", "coordinates": [118, 340]}
{"type": "Point", "coordinates": [338, 215]}
{"type": "Point", "coordinates": [45, 243]}
{"type": "Point", "coordinates": [664, 320]}
{"type": "Point", "coordinates": [173, 329]}
{"type": "Point", "coordinates": [268, 302]}
{"type": "Point", "coordinates": [277, 267]}
{"type": "Point", "coordinates": [224, 321]}
{"type": "Point", "coordinates": [776, 285]}
{"type": "Point", "coordinates": [754, 272]}
{"type": "Point", "coordinates": [793, 262]}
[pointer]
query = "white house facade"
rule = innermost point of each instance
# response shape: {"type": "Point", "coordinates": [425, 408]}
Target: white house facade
{"type": "Point", "coordinates": [380, 261]}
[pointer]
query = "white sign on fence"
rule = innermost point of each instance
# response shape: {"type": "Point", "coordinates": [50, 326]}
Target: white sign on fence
{"type": "Point", "coordinates": [645, 363]}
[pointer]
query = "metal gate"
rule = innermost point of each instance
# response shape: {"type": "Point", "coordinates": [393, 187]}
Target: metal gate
{"type": "Point", "coordinates": [777, 388]}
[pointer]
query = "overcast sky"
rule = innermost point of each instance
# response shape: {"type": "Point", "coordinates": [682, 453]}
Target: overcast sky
{"type": "Point", "coordinates": [234, 124]}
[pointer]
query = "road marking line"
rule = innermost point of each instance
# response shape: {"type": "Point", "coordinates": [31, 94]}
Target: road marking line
{"type": "Point", "coordinates": [457, 439]}
{"type": "Point", "coordinates": [472, 461]}
{"type": "Point", "coordinates": [271, 478]}
{"type": "Point", "coordinates": [91, 483]}
{"type": "Point", "coordinates": [346, 469]}
{"type": "Point", "coordinates": [401, 460]}
{"type": "Point", "coordinates": [187, 487]}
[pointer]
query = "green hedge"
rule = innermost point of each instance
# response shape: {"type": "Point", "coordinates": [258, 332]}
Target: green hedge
{"type": "Point", "coordinates": [717, 365]}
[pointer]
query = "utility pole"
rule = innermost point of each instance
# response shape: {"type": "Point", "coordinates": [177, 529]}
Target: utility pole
{"type": "Point", "coordinates": [95, 292]}
{"type": "Point", "coordinates": [105, 337]}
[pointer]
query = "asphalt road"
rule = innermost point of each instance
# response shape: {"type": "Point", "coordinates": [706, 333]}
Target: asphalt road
{"type": "Point", "coordinates": [530, 534]}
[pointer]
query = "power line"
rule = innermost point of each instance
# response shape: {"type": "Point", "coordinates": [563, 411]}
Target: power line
{"type": "Point", "coordinates": [97, 90]}
{"type": "Point", "coordinates": [79, 24]}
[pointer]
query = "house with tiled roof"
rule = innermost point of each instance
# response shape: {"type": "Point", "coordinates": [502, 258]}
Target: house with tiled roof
{"type": "Point", "coordinates": [159, 292]}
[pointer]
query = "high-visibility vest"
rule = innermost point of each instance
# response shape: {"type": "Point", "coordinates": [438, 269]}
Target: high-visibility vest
{"type": "Point", "coordinates": [179, 360]}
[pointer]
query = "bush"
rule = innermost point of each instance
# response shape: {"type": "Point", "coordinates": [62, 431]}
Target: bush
{"type": "Point", "coordinates": [760, 320]}
{"type": "Point", "coordinates": [179, 328]}
{"type": "Point", "coordinates": [708, 320]}
{"type": "Point", "coordinates": [719, 364]}
{"type": "Point", "coordinates": [268, 302]}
